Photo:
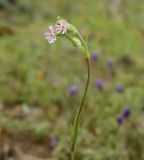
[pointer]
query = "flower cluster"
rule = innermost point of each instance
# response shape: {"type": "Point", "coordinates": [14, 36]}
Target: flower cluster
{"type": "Point", "coordinates": [51, 36]}
{"type": "Point", "coordinates": [73, 90]}
{"type": "Point", "coordinates": [99, 84]}
{"type": "Point", "coordinates": [119, 89]}
{"type": "Point", "coordinates": [95, 56]}
{"type": "Point", "coordinates": [61, 27]}
{"type": "Point", "coordinates": [125, 115]}
{"type": "Point", "coordinates": [64, 29]}
{"type": "Point", "coordinates": [110, 64]}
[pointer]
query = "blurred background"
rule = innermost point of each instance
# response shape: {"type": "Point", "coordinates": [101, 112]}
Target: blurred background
{"type": "Point", "coordinates": [41, 85]}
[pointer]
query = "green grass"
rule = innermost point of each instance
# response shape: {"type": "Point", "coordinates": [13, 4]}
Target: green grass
{"type": "Point", "coordinates": [38, 74]}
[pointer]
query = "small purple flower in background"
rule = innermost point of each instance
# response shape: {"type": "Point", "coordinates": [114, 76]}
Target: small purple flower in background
{"type": "Point", "coordinates": [119, 89]}
{"type": "Point", "coordinates": [53, 143]}
{"type": "Point", "coordinates": [99, 84]}
{"type": "Point", "coordinates": [73, 90]}
{"type": "Point", "coordinates": [94, 56]}
{"type": "Point", "coordinates": [126, 113]}
{"type": "Point", "coordinates": [50, 36]}
{"type": "Point", "coordinates": [120, 120]}
{"type": "Point", "coordinates": [110, 64]}
{"type": "Point", "coordinates": [62, 26]}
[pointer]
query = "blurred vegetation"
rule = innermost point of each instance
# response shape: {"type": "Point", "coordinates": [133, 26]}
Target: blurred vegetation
{"type": "Point", "coordinates": [35, 77]}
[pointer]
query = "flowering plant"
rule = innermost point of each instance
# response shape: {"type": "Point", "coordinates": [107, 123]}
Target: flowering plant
{"type": "Point", "coordinates": [64, 29]}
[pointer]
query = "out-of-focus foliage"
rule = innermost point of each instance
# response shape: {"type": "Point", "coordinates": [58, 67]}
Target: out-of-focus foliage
{"type": "Point", "coordinates": [35, 77]}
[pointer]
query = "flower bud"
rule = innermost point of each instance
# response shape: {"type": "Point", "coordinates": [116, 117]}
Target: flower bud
{"type": "Point", "coordinates": [78, 43]}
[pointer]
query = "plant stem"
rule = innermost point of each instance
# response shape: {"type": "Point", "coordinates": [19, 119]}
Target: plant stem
{"type": "Point", "coordinates": [72, 155]}
{"type": "Point", "coordinates": [76, 123]}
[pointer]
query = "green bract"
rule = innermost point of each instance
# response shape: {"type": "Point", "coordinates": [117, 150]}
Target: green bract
{"type": "Point", "coordinates": [78, 44]}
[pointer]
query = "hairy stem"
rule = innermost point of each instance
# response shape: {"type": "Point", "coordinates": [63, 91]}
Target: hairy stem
{"type": "Point", "coordinates": [76, 123]}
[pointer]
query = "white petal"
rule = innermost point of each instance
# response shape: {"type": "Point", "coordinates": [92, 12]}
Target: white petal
{"type": "Point", "coordinates": [51, 29]}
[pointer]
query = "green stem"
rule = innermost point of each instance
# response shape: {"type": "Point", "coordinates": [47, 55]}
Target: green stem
{"type": "Point", "coordinates": [76, 123]}
{"type": "Point", "coordinates": [84, 44]}
{"type": "Point", "coordinates": [72, 155]}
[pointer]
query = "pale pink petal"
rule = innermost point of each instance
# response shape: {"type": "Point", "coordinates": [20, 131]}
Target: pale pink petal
{"type": "Point", "coordinates": [62, 26]}
{"type": "Point", "coordinates": [50, 36]}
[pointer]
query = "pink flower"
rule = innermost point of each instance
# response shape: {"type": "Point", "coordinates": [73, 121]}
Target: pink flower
{"type": "Point", "coordinates": [50, 36]}
{"type": "Point", "coordinates": [62, 26]}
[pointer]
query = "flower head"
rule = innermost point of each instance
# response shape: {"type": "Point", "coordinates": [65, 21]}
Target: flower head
{"type": "Point", "coordinates": [99, 84]}
{"type": "Point", "coordinates": [119, 89]}
{"type": "Point", "coordinates": [94, 56]}
{"type": "Point", "coordinates": [53, 143]}
{"type": "Point", "coordinates": [50, 36]}
{"type": "Point", "coordinates": [110, 64]}
{"type": "Point", "coordinates": [62, 26]}
{"type": "Point", "coordinates": [73, 90]}
{"type": "Point", "coordinates": [126, 113]}
{"type": "Point", "coordinates": [120, 120]}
